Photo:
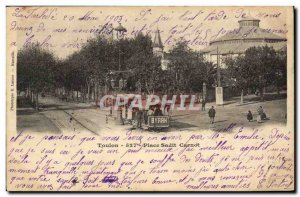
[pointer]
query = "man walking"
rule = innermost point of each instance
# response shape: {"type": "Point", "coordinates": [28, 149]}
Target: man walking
{"type": "Point", "coordinates": [212, 114]}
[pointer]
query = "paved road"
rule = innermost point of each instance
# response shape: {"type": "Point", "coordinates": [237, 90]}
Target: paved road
{"type": "Point", "coordinates": [79, 116]}
{"type": "Point", "coordinates": [69, 117]}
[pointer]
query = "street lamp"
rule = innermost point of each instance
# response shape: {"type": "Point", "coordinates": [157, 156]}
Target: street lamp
{"type": "Point", "coordinates": [139, 86]}
{"type": "Point", "coordinates": [121, 84]}
{"type": "Point", "coordinates": [124, 83]}
{"type": "Point", "coordinates": [204, 91]}
{"type": "Point", "coordinates": [106, 88]}
{"type": "Point", "coordinates": [113, 82]}
{"type": "Point", "coordinates": [120, 32]}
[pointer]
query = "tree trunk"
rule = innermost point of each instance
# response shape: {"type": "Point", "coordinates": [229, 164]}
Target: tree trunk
{"type": "Point", "coordinates": [277, 83]}
{"type": "Point", "coordinates": [37, 102]}
{"type": "Point", "coordinates": [98, 90]}
{"type": "Point", "coordinates": [81, 94]}
{"type": "Point", "coordinates": [77, 95]}
{"type": "Point", "coordinates": [242, 97]}
{"type": "Point", "coordinates": [32, 97]}
{"type": "Point", "coordinates": [261, 92]}
{"type": "Point", "coordinates": [72, 92]}
{"type": "Point", "coordinates": [28, 92]}
{"type": "Point", "coordinates": [88, 94]}
{"type": "Point", "coordinates": [95, 92]}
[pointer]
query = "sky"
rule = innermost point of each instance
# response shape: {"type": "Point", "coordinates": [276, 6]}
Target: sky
{"type": "Point", "coordinates": [63, 30]}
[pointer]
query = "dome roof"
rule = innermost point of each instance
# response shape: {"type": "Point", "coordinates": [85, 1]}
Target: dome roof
{"type": "Point", "coordinates": [248, 32]}
{"type": "Point", "coordinates": [238, 48]}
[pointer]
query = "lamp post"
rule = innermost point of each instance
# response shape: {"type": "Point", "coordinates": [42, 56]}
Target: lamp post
{"type": "Point", "coordinates": [204, 91]}
{"type": "Point", "coordinates": [121, 84]}
{"type": "Point", "coordinates": [120, 30]}
{"type": "Point", "coordinates": [120, 33]}
{"type": "Point", "coordinates": [219, 88]}
{"type": "Point", "coordinates": [106, 88]}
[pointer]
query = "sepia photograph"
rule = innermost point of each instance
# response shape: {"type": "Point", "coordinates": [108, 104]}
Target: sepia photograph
{"type": "Point", "coordinates": [151, 77]}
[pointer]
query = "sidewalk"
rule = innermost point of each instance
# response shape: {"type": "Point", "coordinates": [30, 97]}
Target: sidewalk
{"type": "Point", "coordinates": [30, 120]}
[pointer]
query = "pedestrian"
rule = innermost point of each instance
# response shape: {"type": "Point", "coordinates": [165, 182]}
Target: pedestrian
{"type": "Point", "coordinates": [126, 112]}
{"type": "Point", "coordinates": [150, 112]}
{"type": "Point", "coordinates": [139, 118]}
{"type": "Point", "coordinates": [212, 114]}
{"type": "Point", "coordinates": [249, 116]}
{"type": "Point", "coordinates": [261, 113]}
{"type": "Point", "coordinates": [145, 115]}
{"type": "Point", "coordinates": [203, 104]}
{"type": "Point", "coordinates": [258, 118]}
{"type": "Point", "coordinates": [110, 111]}
{"type": "Point", "coordinates": [158, 111]}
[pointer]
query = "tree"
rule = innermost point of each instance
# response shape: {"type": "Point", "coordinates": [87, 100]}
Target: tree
{"type": "Point", "coordinates": [73, 77]}
{"type": "Point", "coordinates": [92, 65]}
{"type": "Point", "coordinates": [257, 69]}
{"type": "Point", "coordinates": [145, 66]}
{"type": "Point", "coordinates": [280, 71]}
{"type": "Point", "coordinates": [237, 69]}
{"type": "Point", "coordinates": [35, 70]}
{"type": "Point", "coordinates": [188, 69]}
{"type": "Point", "coordinates": [89, 67]}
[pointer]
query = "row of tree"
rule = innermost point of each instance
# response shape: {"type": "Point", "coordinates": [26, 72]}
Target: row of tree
{"type": "Point", "coordinates": [92, 68]}
{"type": "Point", "coordinates": [35, 71]}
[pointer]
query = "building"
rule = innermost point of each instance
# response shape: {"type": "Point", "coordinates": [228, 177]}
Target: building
{"type": "Point", "coordinates": [236, 42]}
{"type": "Point", "coordinates": [158, 50]}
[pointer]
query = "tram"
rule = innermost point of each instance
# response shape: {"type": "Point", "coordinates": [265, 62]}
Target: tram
{"type": "Point", "coordinates": [152, 118]}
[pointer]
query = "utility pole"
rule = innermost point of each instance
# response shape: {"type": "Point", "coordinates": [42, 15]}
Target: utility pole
{"type": "Point", "coordinates": [218, 69]}
{"type": "Point", "coordinates": [119, 56]}
{"type": "Point", "coordinates": [219, 89]}
{"type": "Point", "coordinates": [120, 34]}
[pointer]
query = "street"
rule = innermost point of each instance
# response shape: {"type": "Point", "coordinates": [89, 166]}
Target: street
{"type": "Point", "coordinates": [56, 116]}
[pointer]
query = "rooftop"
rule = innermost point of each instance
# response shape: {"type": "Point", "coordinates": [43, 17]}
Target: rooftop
{"type": "Point", "coordinates": [237, 48]}
{"type": "Point", "coordinates": [157, 40]}
{"type": "Point", "coordinates": [249, 34]}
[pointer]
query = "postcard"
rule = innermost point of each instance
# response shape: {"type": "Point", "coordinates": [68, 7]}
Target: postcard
{"type": "Point", "coordinates": [107, 99]}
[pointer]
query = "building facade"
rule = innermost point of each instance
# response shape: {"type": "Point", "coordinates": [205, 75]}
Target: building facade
{"type": "Point", "coordinates": [236, 42]}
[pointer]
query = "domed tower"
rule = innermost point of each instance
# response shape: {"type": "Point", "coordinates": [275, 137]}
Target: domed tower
{"type": "Point", "coordinates": [158, 48]}
{"type": "Point", "coordinates": [237, 41]}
